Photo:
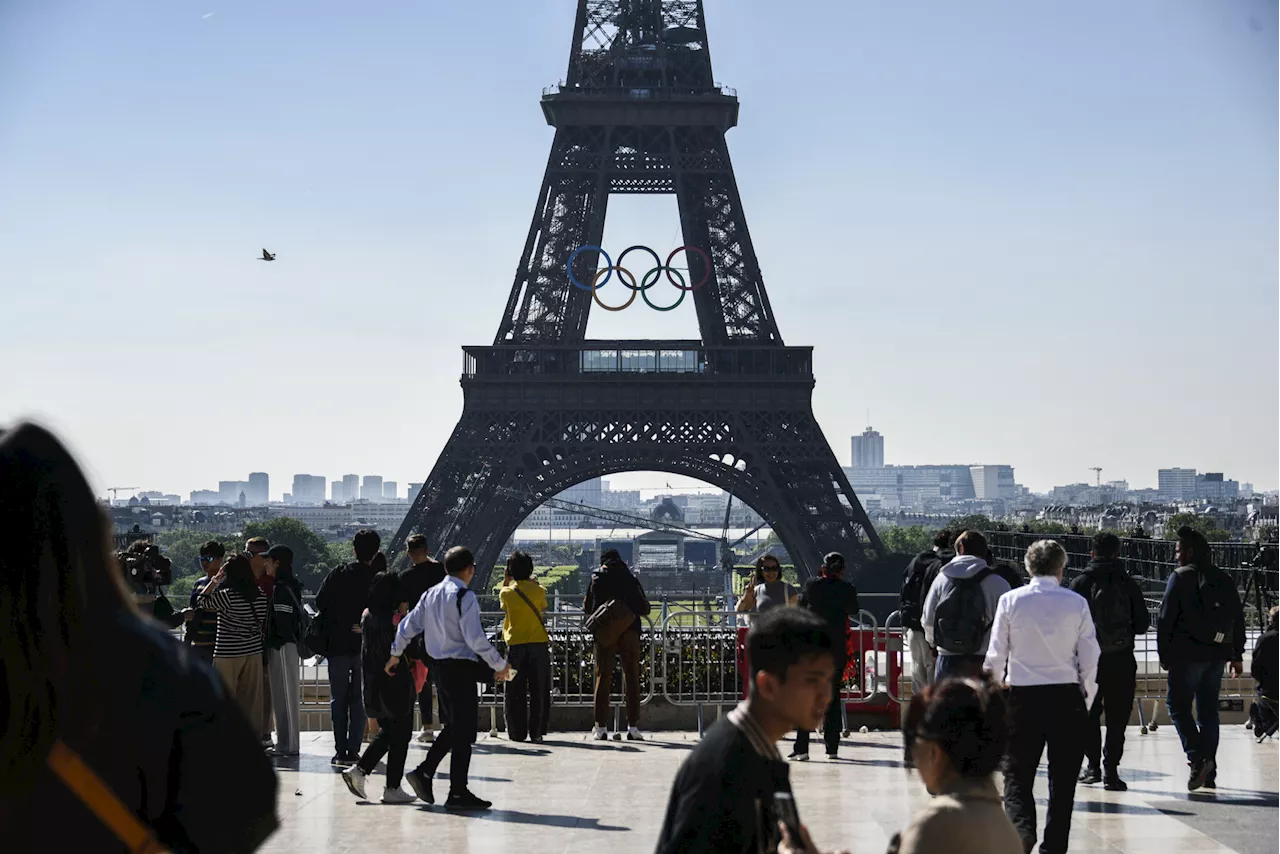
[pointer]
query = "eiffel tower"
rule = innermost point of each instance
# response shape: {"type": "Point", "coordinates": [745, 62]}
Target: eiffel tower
{"type": "Point", "coordinates": [545, 408]}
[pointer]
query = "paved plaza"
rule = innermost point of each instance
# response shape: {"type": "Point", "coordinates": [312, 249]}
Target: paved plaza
{"type": "Point", "coordinates": [576, 795]}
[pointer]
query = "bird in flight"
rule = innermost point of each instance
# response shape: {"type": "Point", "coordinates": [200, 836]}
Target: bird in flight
{"type": "Point", "coordinates": [267, 256]}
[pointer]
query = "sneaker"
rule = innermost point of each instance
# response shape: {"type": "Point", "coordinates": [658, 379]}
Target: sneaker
{"type": "Point", "coordinates": [427, 737]}
{"type": "Point", "coordinates": [353, 758]}
{"type": "Point", "coordinates": [1090, 774]}
{"type": "Point", "coordinates": [464, 800]}
{"type": "Point", "coordinates": [339, 759]}
{"type": "Point", "coordinates": [1112, 783]}
{"type": "Point", "coordinates": [799, 757]}
{"type": "Point", "coordinates": [354, 778]}
{"type": "Point", "coordinates": [633, 734]}
{"type": "Point", "coordinates": [397, 796]}
{"type": "Point", "coordinates": [1211, 782]}
{"type": "Point", "coordinates": [536, 739]}
{"type": "Point", "coordinates": [1200, 772]}
{"type": "Point", "coordinates": [421, 785]}
{"type": "Point", "coordinates": [832, 756]}
{"type": "Point", "coordinates": [600, 733]}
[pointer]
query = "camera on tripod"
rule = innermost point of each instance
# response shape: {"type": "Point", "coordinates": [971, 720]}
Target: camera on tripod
{"type": "Point", "coordinates": [145, 567]}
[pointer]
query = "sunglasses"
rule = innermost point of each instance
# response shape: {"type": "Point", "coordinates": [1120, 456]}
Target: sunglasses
{"type": "Point", "coordinates": [207, 559]}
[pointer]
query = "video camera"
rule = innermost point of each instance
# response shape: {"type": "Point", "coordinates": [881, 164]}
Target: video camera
{"type": "Point", "coordinates": [144, 566]}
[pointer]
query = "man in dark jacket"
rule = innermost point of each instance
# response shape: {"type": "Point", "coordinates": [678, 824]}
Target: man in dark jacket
{"type": "Point", "coordinates": [1266, 669]}
{"type": "Point", "coordinates": [343, 596]}
{"type": "Point", "coordinates": [425, 573]}
{"type": "Point", "coordinates": [614, 580]}
{"type": "Point", "coordinates": [834, 600]}
{"type": "Point", "coordinates": [725, 798]}
{"type": "Point", "coordinates": [915, 585]}
{"type": "Point", "coordinates": [1200, 630]}
{"type": "Point", "coordinates": [1119, 614]}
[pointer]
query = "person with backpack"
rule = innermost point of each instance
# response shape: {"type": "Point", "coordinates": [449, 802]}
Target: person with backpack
{"type": "Point", "coordinates": [528, 695]}
{"type": "Point", "coordinates": [1119, 614]}
{"type": "Point", "coordinates": [1200, 629]}
{"type": "Point", "coordinates": [916, 580]}
{"type": "Point", "coordinates": [1043, 646]}
{"type": "Point", "coordinates": [960, 607]}
{"type": "Point", "coordinates": [835, 601]}
{"type": "Point", "coordinates": [286, 627]}
{"type": "Point", "coordinates": [616, 591]}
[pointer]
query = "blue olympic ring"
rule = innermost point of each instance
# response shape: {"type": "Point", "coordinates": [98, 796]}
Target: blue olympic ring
{"type": "Point", "coordinates": [645, 282]}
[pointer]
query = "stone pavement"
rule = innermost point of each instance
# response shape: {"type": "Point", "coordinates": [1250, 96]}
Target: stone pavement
{"type": "Point", "coordinates": [576, 795]}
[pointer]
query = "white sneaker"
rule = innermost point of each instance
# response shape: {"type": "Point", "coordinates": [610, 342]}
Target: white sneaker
{"type": "Point", "coordinates": [354, 778]}
{"type": "Point", "coordinates": [600, 734]}
{"type": "Point", "coordinates": [427, 736]}
{"type": "Point", "coordinates": [397, 796]}
{"type": "Point", "coordinates": [633, 734]}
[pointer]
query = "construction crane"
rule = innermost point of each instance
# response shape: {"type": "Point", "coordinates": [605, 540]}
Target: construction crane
{"type": "Point", "coordinates": [1097, 475]}
{"type": "Point", "coordinates": [116, 490]}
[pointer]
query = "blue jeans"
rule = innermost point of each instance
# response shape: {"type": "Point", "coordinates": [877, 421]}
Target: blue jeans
{"type": "Point", "coordinates": [346, 703]}
{"type": "Point", "coordinates": [958, 666]}
{"type": "Point", "coordinates": [1200, 681]}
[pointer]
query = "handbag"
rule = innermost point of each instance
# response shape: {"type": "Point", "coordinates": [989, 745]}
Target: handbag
{"type": "Point", "coordinates": [316, 637]}
{"type": "Point", "coordinates": [609, 621]}
{"type": "Point", "coordinates": [89, 788]}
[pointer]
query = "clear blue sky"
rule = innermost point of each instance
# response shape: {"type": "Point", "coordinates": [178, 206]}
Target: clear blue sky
{"type": "Point", "coordinates": [1041, 234]}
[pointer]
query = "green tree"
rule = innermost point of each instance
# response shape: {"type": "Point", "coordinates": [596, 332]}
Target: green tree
{"type": "Point", "coordinates": [906, 539]}
{"type": "Point", "coordinates": [973, 522]}
{"type": "Point", "coordinates": [340, 553]}
{"type": "Point", "coordinates": [1203, 524]}
{"type": "Point", "coordinates": [310, 551]}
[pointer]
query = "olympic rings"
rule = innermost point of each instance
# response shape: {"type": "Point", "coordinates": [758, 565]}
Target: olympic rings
{"type": "Point", "coordinates": [674, 275]}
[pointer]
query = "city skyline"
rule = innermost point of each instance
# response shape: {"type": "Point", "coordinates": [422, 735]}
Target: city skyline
{"type": "Point", "coordinates": [1033, 236]}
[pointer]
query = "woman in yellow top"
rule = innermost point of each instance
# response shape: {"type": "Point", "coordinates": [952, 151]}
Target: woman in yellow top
{"type": "Point", "coordinates": [528, 651]}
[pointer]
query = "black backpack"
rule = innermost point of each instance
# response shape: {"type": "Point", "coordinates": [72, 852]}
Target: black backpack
{"type": "Point", "coordinates": [1217, 605]}
{"type": "Point", "coordinates": [1110, 604]}
{"type": "Point", "coordinates": [960, 620]}
{"type": "Point", "coordinates": [911, 600]}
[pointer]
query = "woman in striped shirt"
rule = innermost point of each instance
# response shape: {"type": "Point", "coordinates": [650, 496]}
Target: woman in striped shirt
{"type": "Point", "coordinates": [241, 607]}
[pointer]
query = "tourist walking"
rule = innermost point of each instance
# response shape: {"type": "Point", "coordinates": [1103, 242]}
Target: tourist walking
{"type": "Point", "coordinates": [1200, 630]}
{"type": "Point", "coordinates": [960, 607]}
{"type": "Point", "coordinates": [116, 732]}
{"type": "Point", "coordinates": [242, 611]}
{"type": "Point", "coordinates": [1043, 647]}
{"type": "Point", "coordinates": [835, 601]}
{"type": "Point", "coordinates": [424, 573]}
{"type": "Point", "coordinates": [388, 697]}
{"type": "Point", "coordinates": [449, 618]}
{"type": "Point", "coordinates": [733, 788]}
{"type": "Point", "coordinates": [767, 589]}
{"type": "Point", "coordinates": [202, 625]}
{"type": "Point", "coordinates": [1119, 615]}
{"type": "Point", "coordinates": [343, 596]}
{"type": "Point", "coordinates": [613, 582]}
{"type": "Point", "coordinates": [286, 621]}
{"type": "Point", "coordinates": [916, 581]}
{"type": "Point", "coordinates": [528, 694]}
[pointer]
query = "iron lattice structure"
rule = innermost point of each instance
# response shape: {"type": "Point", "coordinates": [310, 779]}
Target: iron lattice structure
{"type": "Point", "coordinates": [545, 409]}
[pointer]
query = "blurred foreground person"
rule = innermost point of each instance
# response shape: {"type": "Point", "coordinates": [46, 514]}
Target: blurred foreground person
{"type": "Point", "coordinates": [113, 736]}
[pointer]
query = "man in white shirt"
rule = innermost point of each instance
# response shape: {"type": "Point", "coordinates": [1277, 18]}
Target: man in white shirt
{"type": "Point", "coordinates": [1044, 648]}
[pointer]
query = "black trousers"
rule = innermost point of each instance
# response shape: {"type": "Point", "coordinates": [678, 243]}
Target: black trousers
{"type": "Point", "coordinates": [1040, 715]}
{"type": "Point", "coordinates": [832, 723]}
{"type": "Point", "coordinates": [459, 707]}
{"type": "Point", "coordinates": [1117, 674]}
{"type": "Point", "coordinates": [424, 702]}
{"type": "Point", "coordinates": [392, 741]}
{"type": "Point", "coordinates": [528, 696]}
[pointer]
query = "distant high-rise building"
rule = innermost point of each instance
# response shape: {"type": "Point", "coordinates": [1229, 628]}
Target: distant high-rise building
{"type": "Point", "coordinates": [868, 450]}
{"type": "Point", "coordinates": [229, 491]}
{"type": "Point", "coordinates": [259, 490]}
{"type": "Point", "coordinates": [372, 488]}
{"type": "Point", "coordinates": [350, 487]}
{"type": "Point", "coordinates": [414, 489]}
{"type": "Point", "coordinates": [1177, 484]}
{"type": "Point", "coordinates": [1212, 486]}
{"type": "Point", "coordinates": [205, 496]}
{"type": "Point", "coordinates": [390, 490]}
{"type": "Point", "coordinates": [308, 489]}
{"type": "Point", "coordinates": [1246, 489]}
{"type": "Point", "coordinates": [338, 492]}
{"type": "Point", "coordinates": [993, 482]}
{"type": "Point", "coordinates": [588, 492]}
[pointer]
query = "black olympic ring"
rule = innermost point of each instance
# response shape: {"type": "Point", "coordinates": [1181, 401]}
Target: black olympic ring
{"type": "Point", "coordinates": [647, 281]}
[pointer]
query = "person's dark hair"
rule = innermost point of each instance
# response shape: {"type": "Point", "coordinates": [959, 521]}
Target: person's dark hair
{"type": "Point", "coordinates": [833, 563]}
{"type": "Point", "coordinates": [284, 572]}
{"type": "Point", "coordinates": [239, 577]}
{"type": "Point", "coordinates": [214, 549]}
{"type": "Point", "coordinates": [138, 547]}
{"type": "Point", "coordinates": [1201, 554]}
{"type": "Point", "coordinates": [520, 565]}
{"type": "Point", "coordinates": [366, 544]}
{"type": "Point", "coordinates": [608, 555]}
{"type": "Point", "coordinates": [60, 587]}
{"type": "Point", "coordinates": [458, 559]}
{"type": "Point", "coordinates": [384, 594]}
{"type": "Point", "coordinates": [966, 718]}
{"type": "Point", "coordinates": [416, 544]}
{"type": "Point", "coordinates": [379, 562]}
{"type": "Point", "coordinates": [943, 539]}
{"type": "Point", "coordinates": [974, 543]}
{"type": "Point", "coordinates": [761, 561]}
{"type": "Point", "coordinates": [257, 541]}
{"type": "Point", "coordinates": [1106, 544]}
{"type": "Point", "coordinates": [781, 638]}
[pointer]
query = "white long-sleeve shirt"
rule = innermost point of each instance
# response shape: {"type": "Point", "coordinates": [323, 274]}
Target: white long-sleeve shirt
{"type": "Point", "coordinates": [1044, 635]}
{"type": "Point", "coordinates": [448, 634]}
